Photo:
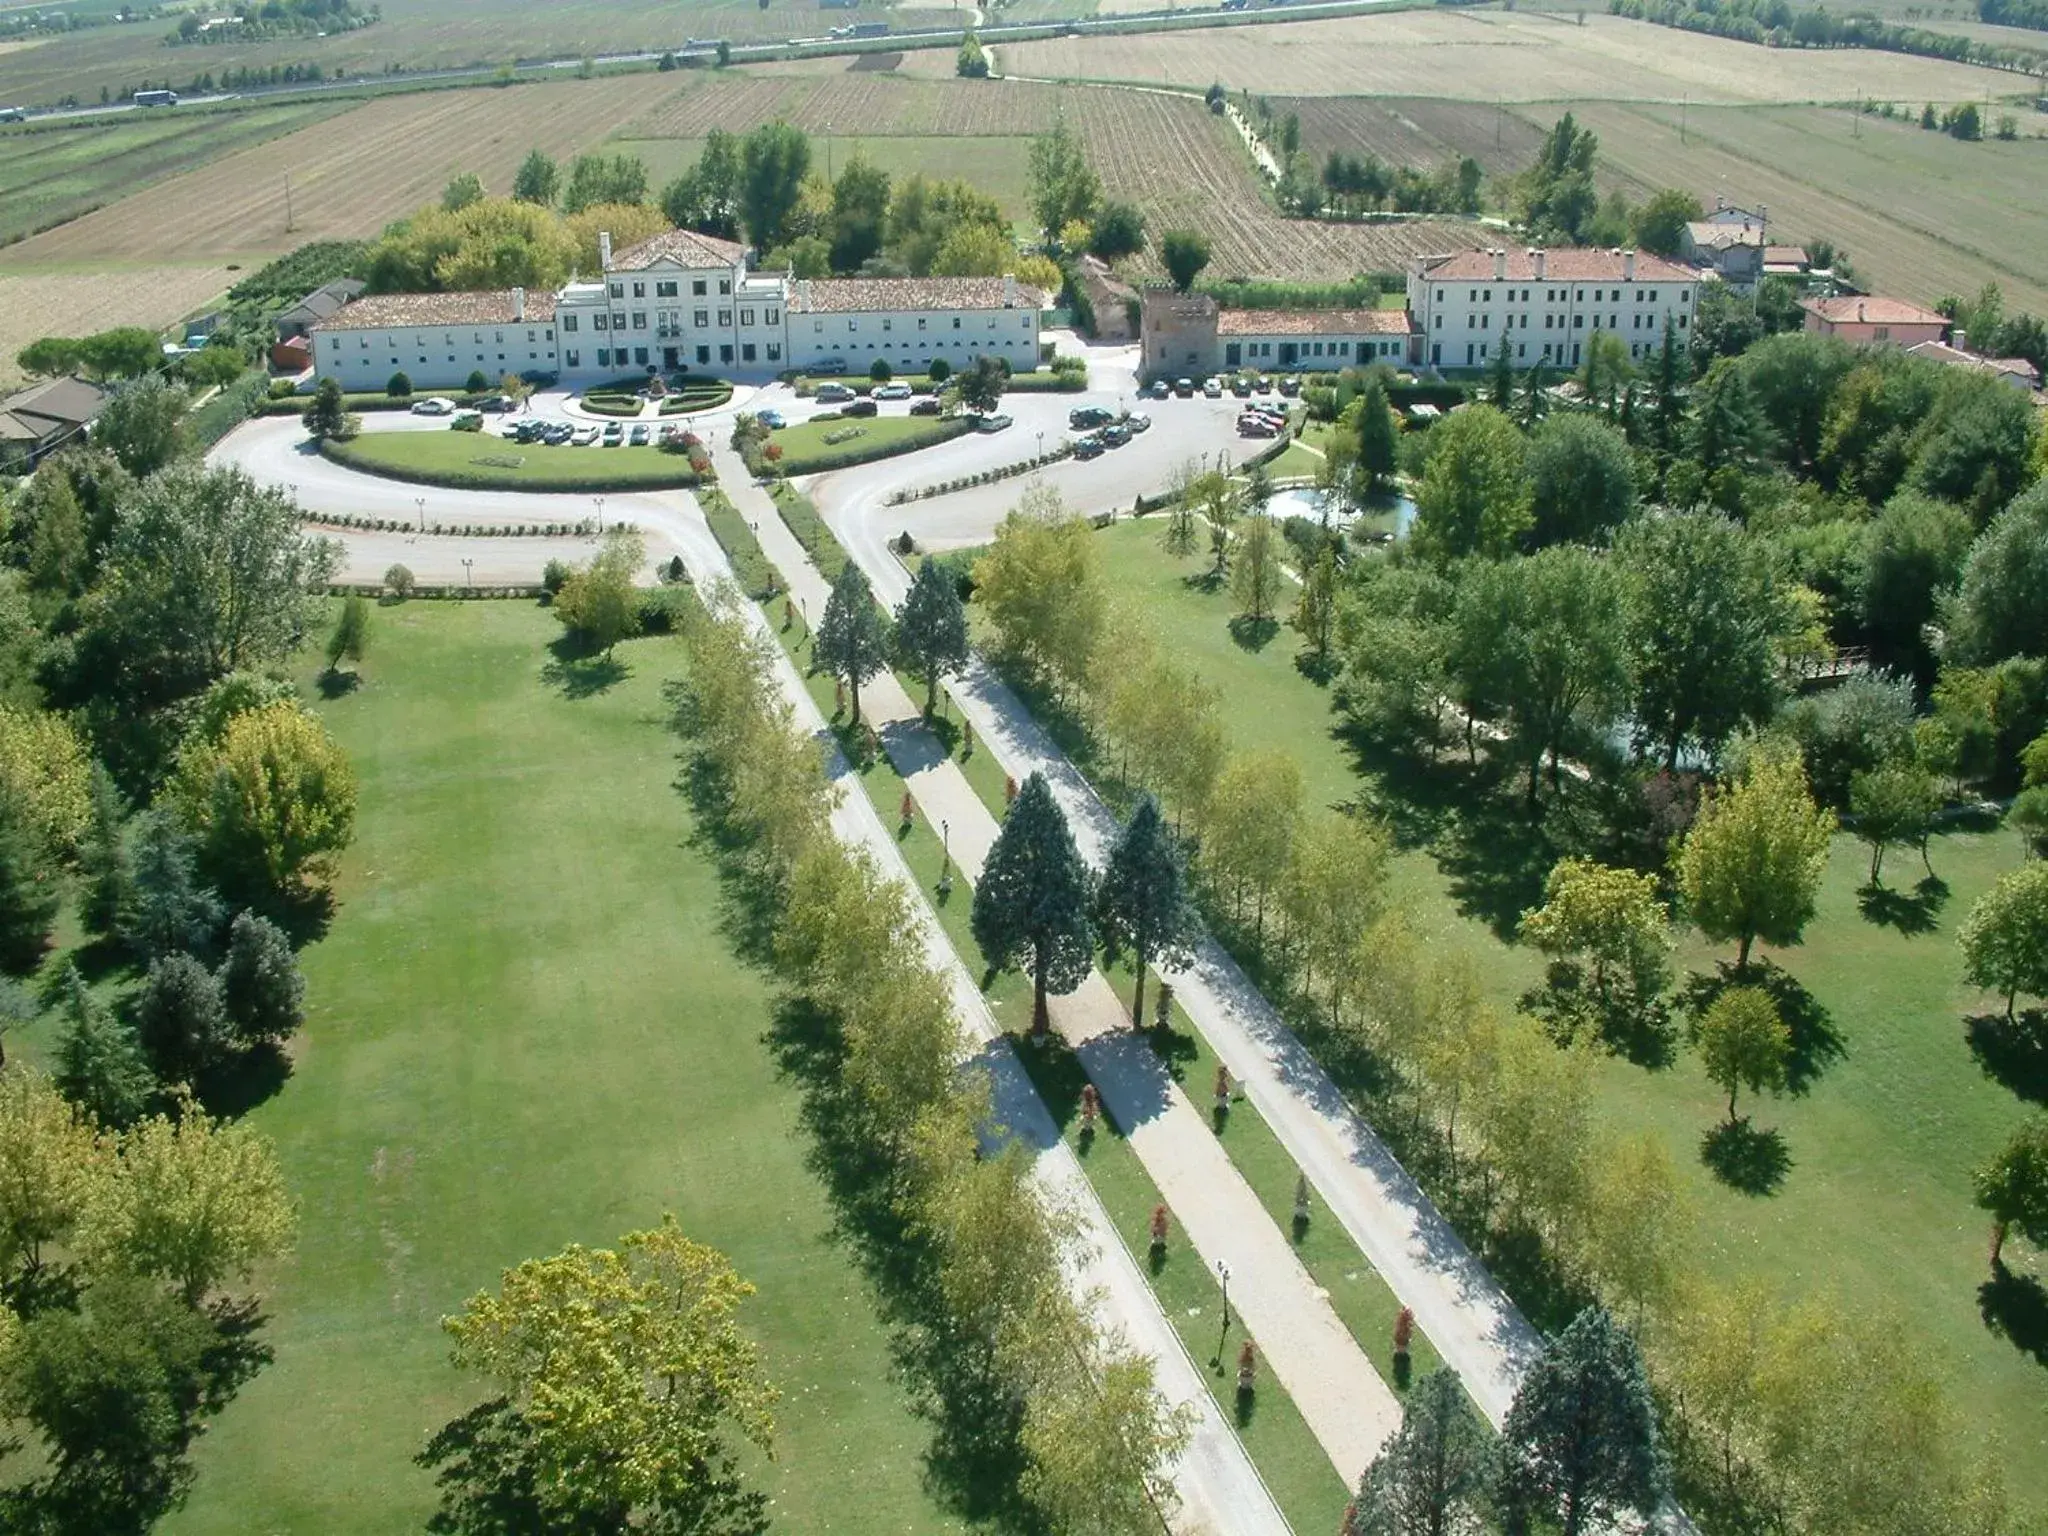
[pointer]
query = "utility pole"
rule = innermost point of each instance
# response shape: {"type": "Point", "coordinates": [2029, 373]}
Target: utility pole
{"type": "Point", "coordinates": [287, 202]}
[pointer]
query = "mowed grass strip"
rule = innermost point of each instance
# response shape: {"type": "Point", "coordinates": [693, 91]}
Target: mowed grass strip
{"type": "Point", "coordinates": [819, 445]}
{"type": "Point", "coordinates": [1876, 1205]}
{"type": "Point", "coordinates": [482, 460]}
{"type": "Point", "coordinates": [527, 1029]}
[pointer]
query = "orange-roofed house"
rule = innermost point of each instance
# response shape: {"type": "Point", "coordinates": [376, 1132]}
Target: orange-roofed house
{"type": "Point", "coordinates": [1865, 318]}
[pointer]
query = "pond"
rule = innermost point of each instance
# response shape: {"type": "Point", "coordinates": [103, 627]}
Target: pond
{"type": "Point", "coordinates": [1382, 514]}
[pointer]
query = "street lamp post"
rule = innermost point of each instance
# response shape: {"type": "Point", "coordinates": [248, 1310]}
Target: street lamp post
{"type": "Point", "coordinates": [420, 522]}
{"type": "Point", "coordinates": [600, 515]}
{"type": "Point", "coordinates": [945, 857]}
{"type": "Point", "coordinates": [468, 580]}
{"type": "Point", "coordinates": [1223, 1274]}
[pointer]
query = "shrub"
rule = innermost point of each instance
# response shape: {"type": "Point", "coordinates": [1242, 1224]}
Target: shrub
{"type": "Point", "coordinates": [553, 577]}
{"type": "Point", "coordinates": [940, 370]}
{"type": "Point", "coordinates": [398, 386]}
{"type": "Point", "coordinates": [880, 371]}
{"type": "Point", "coordinates": [398, 581]}
{"type": "Point", "coordinates": [477, 382]}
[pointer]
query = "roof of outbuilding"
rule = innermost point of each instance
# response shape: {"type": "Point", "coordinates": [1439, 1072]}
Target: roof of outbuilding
{"type": "Point", "coordinates": [1942, 352]}
{"type": "Point", "coordinates": [684, 247]}
{"type": "Point", "coordinates": [324, 300]}
{"type": "Point", "coordinates": [1871, 309]}
{"type": "Point", "coordinates": [1312, 322]}
{"type": "Point", "coordinates": [1568, 264]}
{"type": "Point", "coordinates": [1713, 236]}
{"type": "Point", "coordinates": [387, 311]}
{"type": "Point", "coordinates": [852, 295]}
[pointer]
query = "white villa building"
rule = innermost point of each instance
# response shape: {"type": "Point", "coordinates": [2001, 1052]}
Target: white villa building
{"type": "Point", "coordinates": [680, 302]}
{"type": "Point", "coordinates": [1545, 303]}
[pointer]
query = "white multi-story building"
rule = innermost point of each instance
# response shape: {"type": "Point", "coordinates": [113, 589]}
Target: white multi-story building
{"type": "Point", "coordinates": [680, 303]}
{"type": "Point", "coordinates": [1544, 304]}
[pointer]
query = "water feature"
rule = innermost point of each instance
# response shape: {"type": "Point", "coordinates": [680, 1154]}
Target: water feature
{"type": "Point", "coordinates": [1382, 514]}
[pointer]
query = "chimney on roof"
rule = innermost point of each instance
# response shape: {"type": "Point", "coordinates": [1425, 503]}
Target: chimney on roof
{"type": "Point", "coordinates": [1628, 266]}
{"type": "Point", "coordinates": [1961, 340]}
{"type": "Point", "coordinates": [518, 303]}
{"type": "Point", "coordinates": [1500, 262]}
{"type": "Point", "coordinates": [604, 250]}
{"type": "Point", "coordinates": [1720, 202]}
{"type": "Point", "coordinates": [803, 291]}
{"type": "Point", "coordinates": [1009, 290]}
{"type": "Point", "coordinates": [1539, 259]}
{"type": "Point", "coordinates": [1859, 309]}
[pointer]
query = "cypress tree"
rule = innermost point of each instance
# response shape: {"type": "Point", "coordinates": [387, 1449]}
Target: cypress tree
{"type": "Point", "coordinates": [260, 984]}
{"type": "Point", "coordinates": [931, 628]}
{"type": "Point", "coordinates": [171, 909]}
{"type": "Point", "coordinates": [179, 1017]}
{"type": "Point", "coordinates": [100, 1065]}
{"type": "Point", "coordinates": [1143, 903]}
{"type": "Point", "coordinates": [1031, 907]}
{"type": "Point", "coordinates": [1434, 1467]}
{"type": "Point", "coordinates": [28, 889]}
{"type": "Point", "coordinates": [103, 859]}
{"type": "Point", "coordinates": [852, 643]}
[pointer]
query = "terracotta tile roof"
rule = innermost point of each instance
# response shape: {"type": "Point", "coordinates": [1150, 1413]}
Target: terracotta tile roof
{"type": "Point", "coordinates": [1871, 309]}
{"type": "Point", "coordinates": [1785, 256]}
{"type": "Point", "coordinates": [1312, 322]}
{"type": "Point", "coordinates": [1565, 264]}
{"type": "Point", "coordinates": [850, 295]}
{"type": "Point", "coordinates": [684, 247]}
{"type": "Point", "coordinates": [384, 311]}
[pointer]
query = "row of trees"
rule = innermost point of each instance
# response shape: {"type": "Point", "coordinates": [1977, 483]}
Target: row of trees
{"type": "Point", "coordinates": [1070, 1416]}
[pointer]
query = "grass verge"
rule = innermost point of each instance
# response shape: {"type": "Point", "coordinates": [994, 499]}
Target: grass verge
{"type": "Point", "coordinates": [478, 461]}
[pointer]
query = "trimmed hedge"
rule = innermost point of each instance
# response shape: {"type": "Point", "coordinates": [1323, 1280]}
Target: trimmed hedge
{"type": "Point", "coordinates": [749, 564]}
{"type": "Point", "coordinates": [235, 404]}
{"type": "Point", "coordinates": [800, 514]}
{"type": "Point", "coordinates": [295, 405]}
{"type": "Point", "coordinates": [622, 406]}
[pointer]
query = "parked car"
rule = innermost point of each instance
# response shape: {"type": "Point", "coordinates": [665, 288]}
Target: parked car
{"type": "Point", "coordinates": [861, 408]}
{"type": "Point", "coordinates": [995, 423]}
{"type": "Point", "coordinates": [828, 365]}
{"type": "Point", "coordinates": [1138, 421]}
{"type": "Point", "coordinates": [497, 405]}
{"type": "Point", "coordinates": [1262, 385]}
{"type": "Point", "coordinates": [1240, 386]}
{"type": "Point", "coordinates": [1249, 425]}
{"type": "Point", "coordinates": [639, 435]}
{"type": "Point", "coordinates": [1213, 388]}
{"type": "Point", "coordinates": [1290, 385]}
{"type": "Point", "coordinates": [832, 393]}
{"type": "Point", "coordinates": [897, 391]}
{"type": "Point", "coordinates": [1115, 435]}
{"type": "Point", "coordinates": [434, 405]}
{"type": "Point", "coordinates": [771, 419]}
{"type": "Point", "coordinates": [518, 431]}
{"type": "Point", "coordinates": [929, 406]}
{"type": "Point", "coordinates": [1084, 418]}
{"type": "Point", "coordinates": [1089, 447]}
{"type": "Point", "coordinates": [614, 434]}
{"type": "Point", "coordinates": [558, 433]}
{"type": "Point", "coordinates": [1160, 389]}
{"type": "Point", "coordinates": [584, 436]}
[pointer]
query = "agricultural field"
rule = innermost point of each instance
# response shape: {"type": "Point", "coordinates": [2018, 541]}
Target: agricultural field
{"type": "Point", "coordinates": [418, 35]}
{"type": "Point", "coordinates": [528, 1028]}
{"type": "Point", "coordinates": [349, 175]}
{"type": "Point", "coordinates": [57, 171]}
{"type": "Point", "coordinates": [1875, 1207]}
{"type": "Point", "coordinates": [76, 303]}
{"type": "Point", "coordinates": [1474, 55]}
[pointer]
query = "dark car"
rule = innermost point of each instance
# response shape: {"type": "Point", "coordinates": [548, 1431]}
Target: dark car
{"type": "Point", "coordinates": [1082, 418]}
{"type": "Point", "coordinates": [860, 408]}
{"type": "Point", "coordinates": [1290, 385]}
{"type": "Point", "coordinates": [558, 433]}
{"type": "Point", "coordinates": [1088, 447]}
{"type": "Point", "coordinates": [925, 407]}
{"type": "Point", "coordinates": [498, 404]}
{"type": "Point", "coordinates": [1115, 435]}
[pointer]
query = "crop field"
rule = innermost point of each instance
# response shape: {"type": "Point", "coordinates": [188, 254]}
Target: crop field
{"type": "Point", "coordinates": [1500, 55]}
{"type": "Point", "coordinates": [419, 35]}
{"type": "Point", "coordinates": [1975, 213]}
{"type": "Point", "coordinates": [76, 303]}
{"type": "Point", "coordinates": [850, 101]}
{"type": "Point", "coordinates": [1416, 130]}
{"type": "Point", "coordinates": [350, 175]}
{"type": "Point", "coordinates": [48, 174]}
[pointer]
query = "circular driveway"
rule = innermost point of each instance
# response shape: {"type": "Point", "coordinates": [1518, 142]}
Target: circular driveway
{"type": "Point", "coordinates": [854, 501]}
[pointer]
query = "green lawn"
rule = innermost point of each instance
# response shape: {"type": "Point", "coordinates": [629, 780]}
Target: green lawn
{"type": "Point", "coordinates": [817, 445]}
{"type": "Point", "coordinates": [1876, 1203]}
{"type": "Point", "coordinates": [527, 1029]}
{"type": "Point", "coordinates": [485, 461]}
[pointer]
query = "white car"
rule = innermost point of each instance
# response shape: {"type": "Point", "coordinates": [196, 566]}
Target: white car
{"type": "Point", "coordinates": [1213, 388]}
{"type": "Point", "coordinates": [893, 392]}
{"type": "Point", "coordinates": [434, 405]}
{"type": "Point", "coordinates": [583, 436]}
{"type": "Point", "coordinates": [1138, 421]}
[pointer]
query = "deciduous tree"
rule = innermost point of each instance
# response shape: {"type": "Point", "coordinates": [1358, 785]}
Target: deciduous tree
{"type": "Point", "coordinates": [1580, 1442]}
{"type": "Point", "coordinates": [143, 424]}
{"type": "Point", "coordinates": [537, 179]}
{"type": "Point", "coordinates": [1042, 588]}
{"type": "Point", "coordinates": [1063, 186]}
{"type": "Point", "coordinates": [2013, 1187]}
{"type": "Point", "coordinates": [852, 642]}
{"type": "Point", "coordinates": [598, 604]}
{"type": "Point", "coordinates": [327, 415]}
{"type": "Point", "coordinates": [1143, 902]}
{"type": "Point", "coordinates": [595, 179]}
{"type": "Point", "coordinates": [624, 1376]}
{"type": "Point", "coordinates": [1184, 254]}
{"type": "Point", "coordinates": [1743, 1043]}
{"type": "Point", "coordinates": [1255, 569]}
{"type": "Point", "coordinates": [1893, 803]}
{"type": "Point", "coordinates": [1031, 907]}
{"type": "Point", "coordinates": [1315, 611]}
{"type": "Point", "coordinates": [1611, 921]}
{"type": "Point", "coordinates": [2004, 940]}
{"type": "Point", "coordinates": [1335, 890]}
{"type": "Point", "coordinates": [1997, 611]}
{"type": "Point", "coordinates": [1751, 865]}
{"type": "Point", "coordinates": [774, 159]}
{"type": "Point", "coordinates": [461, 191]}
{"type": "Point", "coordinates": [1581, 479]}
{"type": "Point", "coordinates": [50, 1157]}
{"type": "Point", "coordinates": [351, 632]}
{"type": "Point", "coordinates": [1474, 494]}
{"type": "Point", "coordinates": [272, 803]}
{"type": "Point", "coordinates": [1248, 833]}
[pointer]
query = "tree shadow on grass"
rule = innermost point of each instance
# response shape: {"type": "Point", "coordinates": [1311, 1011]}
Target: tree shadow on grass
{"type": "Point", "coordinates": [1910, 914]}
{"type": "Point", "coordinates": [1747, 1160]}
{"type": "Point", "coordinates": [1815, 1041]}
{"type": "Point", "coordinates": [1320, 670]}
{"type": "Point", "coordinates": [232, 1088]}
{"type": "Point", "coordinates": [1252, 634]}
{"type": "Point", "coordinates": [1205, 581]}
{"type": "Point", "coordinates": [2015, 1307]}
{"type": "Point", "coordinates": [580, 672]}
{"type": "Point", "coordinates": [2012, 1051]}
{"type": "Point", "coordinates": [337, 685]}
